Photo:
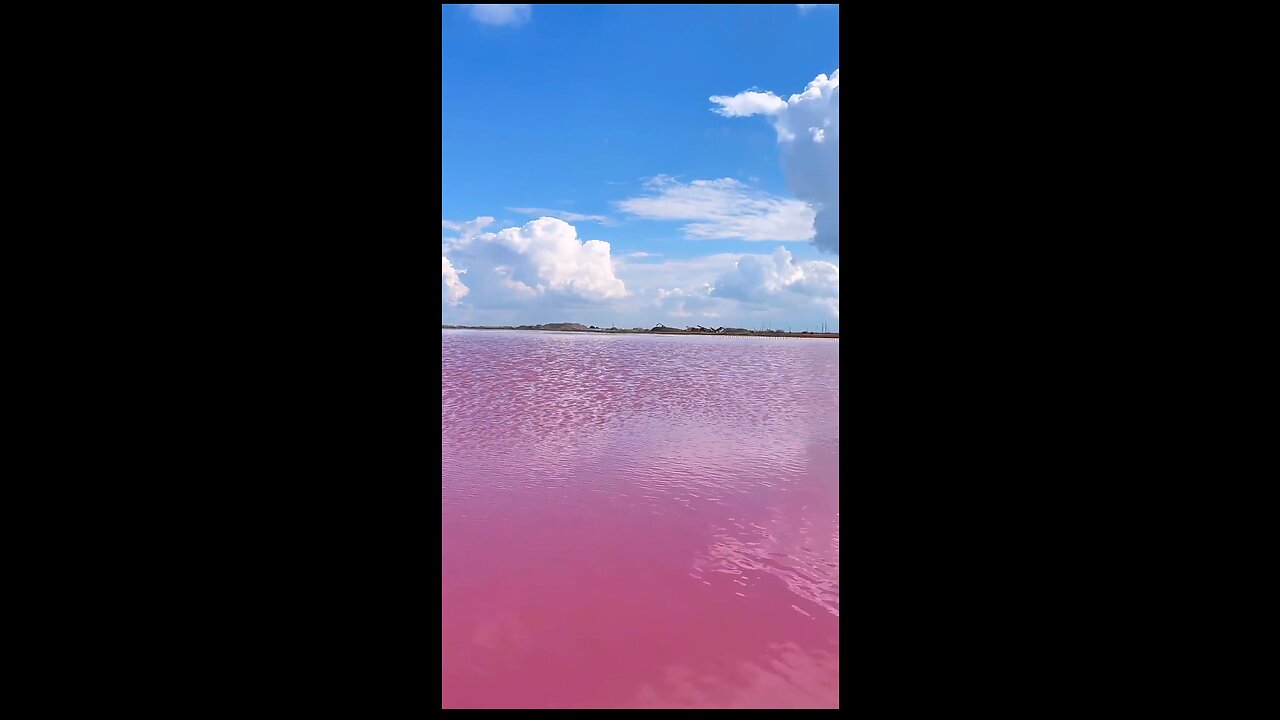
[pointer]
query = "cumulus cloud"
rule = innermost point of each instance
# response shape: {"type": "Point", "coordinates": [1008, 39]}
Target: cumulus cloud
{"type": "Point", "coordinates": [778, 279]}
{"type": "Point", "coordinates": [451, 286]}
{"type": "Point", "coordinates": [562, 214]}
{"type": "Point", "coordinates": [500, 14]}
{"type": "Point", "coordinates": [542, 260]}
{"type": "Point", "coordinates": [808, 128]}
{"type": "Point", "coordinates": [722, 209]}
{"type": "Point", "coordinates": [507, 284]}
{"type": "Point", "coordinates": [733, 289]}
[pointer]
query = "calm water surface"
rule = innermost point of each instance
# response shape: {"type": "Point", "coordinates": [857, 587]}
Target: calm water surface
{"type": "Point", "coordinates": [639, 521]}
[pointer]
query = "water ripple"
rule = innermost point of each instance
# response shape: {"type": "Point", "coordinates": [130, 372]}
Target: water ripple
{"type": "Point", "coordinates": [654, 517]}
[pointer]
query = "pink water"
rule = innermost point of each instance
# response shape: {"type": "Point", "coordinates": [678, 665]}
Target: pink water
{"type": "Point", "coordinates": [639, 521]}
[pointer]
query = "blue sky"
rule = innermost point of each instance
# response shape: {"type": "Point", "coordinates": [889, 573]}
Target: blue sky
{"type": "Point", "coordinates": [602, 119]}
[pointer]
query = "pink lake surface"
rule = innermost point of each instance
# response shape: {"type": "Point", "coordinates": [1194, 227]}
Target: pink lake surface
{"type": "Point", "coordinates": [638, 521]}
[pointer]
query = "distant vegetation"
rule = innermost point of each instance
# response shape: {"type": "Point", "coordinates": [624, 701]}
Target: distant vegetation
{"type": "Point", "coordinates": [659, 329]}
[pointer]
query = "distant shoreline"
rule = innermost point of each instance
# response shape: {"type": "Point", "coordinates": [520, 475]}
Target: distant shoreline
{"type": "Point", "coordinates": [657, 330]}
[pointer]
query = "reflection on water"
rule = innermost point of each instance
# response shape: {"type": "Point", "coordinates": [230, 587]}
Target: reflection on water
{"type": "Point", "coordinates": [789, 678]}
{"type": "Point", "coordinates": [639, 521]}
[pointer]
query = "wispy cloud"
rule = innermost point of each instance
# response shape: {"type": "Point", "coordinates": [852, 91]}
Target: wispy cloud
{"type": "Point", "coordinates": [722, 209]}
{"type": "Point", "coordinates": [500, 14]}
{"type": "Point", "coordinates": [804, 9]}
{"type": "Point", "coordinates": [563, 215]}
{"type": "Point", "coordinates": [469, 229]}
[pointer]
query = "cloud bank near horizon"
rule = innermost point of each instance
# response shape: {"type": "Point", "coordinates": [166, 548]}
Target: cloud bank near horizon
{"type": "Point", "coordinates": [543, 272]}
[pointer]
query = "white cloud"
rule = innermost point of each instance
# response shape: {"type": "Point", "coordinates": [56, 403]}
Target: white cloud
{"type": "Point", "coordinates": [778, 280]}
{"type": "Point", "coordinates": [467, 230]}
{"type": "Point", "coordinates": [544, 259]}
{"type": "Point", "coordinates": [688, 302]}
{"type": "Point", "coordinates": [737, 290]}
{"type": "Point", "coordinates": [543, 272]}
{"type": "Point", "coordinates": [562, 214]}
{"type": "Point", "coordinates": [684, 272]}
{"type": "Point", "coordinates": [722, 209]}
{"type": "Point", "coordinates": [500, 14]}
{"type": "Point", "coordinates": [677, 291]}
{"type": "Point", "coordinates": [808, 128]}
{"type": "Point", "coordinates": [804, 9]}
{"type": "Point", "coordinates": [749, 103]}
{"type": "Point", "coordinates": [451, 285]}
